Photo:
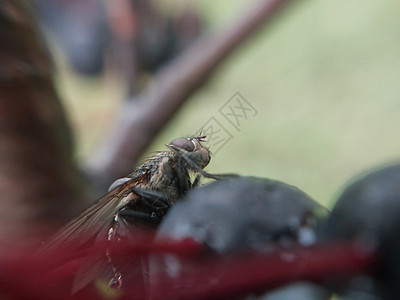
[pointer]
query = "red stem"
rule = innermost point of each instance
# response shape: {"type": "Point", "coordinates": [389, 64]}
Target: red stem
{"type": "Point", "coordinates": [201, 275]}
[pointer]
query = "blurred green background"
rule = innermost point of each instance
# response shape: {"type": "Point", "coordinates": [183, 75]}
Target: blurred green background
{"type": "Point", "coordinates": [324, 78]}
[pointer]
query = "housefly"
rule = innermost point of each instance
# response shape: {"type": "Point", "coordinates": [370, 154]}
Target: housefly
{"type": "Point", "coordinates": [139, 200]}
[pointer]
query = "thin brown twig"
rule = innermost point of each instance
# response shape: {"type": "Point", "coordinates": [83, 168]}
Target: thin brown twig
{"type": "Point", "coordinates": [140, 121]}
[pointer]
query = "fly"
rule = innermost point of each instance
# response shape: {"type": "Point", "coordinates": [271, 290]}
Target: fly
{"type": "Point", "coordinates": [138, 201]}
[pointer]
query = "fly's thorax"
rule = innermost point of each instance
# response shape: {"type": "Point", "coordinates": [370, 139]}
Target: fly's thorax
{"type": "Point", "coordinates": [154, 167]}
{"type": "Point", "coordinates": [167, 175]}
{"type": "Point", "coordinates": [174, 173]}
{"type": "Point", "coordinates": [168, 171]}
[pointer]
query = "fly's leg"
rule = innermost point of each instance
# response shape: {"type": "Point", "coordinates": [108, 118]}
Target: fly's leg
{"type": "Point", "coordinates": [152, 196]}
{"type": "Point", "coordinates": [112, 239]}
{"type": "Point", "coordinates": [155, 200]}
{"type": "Point", "coordinates": [116, 281]}
{"type": "Point", "coordinates": [196, 181]}
{"type": "Point", "coordinates": [181, 184]}
{"type": "Point", "coordinates": [128, 213]}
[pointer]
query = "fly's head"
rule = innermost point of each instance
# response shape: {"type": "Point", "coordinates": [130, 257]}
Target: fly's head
{"type": "Point", "coordinates": [191, 149]}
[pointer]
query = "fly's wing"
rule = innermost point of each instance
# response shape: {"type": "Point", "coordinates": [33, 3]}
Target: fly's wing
{"type": "Point", "coordinates": [91, 221]}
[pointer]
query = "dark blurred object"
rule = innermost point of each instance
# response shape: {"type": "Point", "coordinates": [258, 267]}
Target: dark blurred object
{"type": "Point", "coordinates": [81, 29]}
{"type": "Point", "coordinates": [40, 186]}
{"type": "Point", "coordinates": [368, 210]}
{"type": "Point", "coordinates": [362, 287]}
{"type": "Point", "coordinates": [135, 36]}
{"type": "Point", "coordinates": [144, 39]}
{"type": "Point", "coordinates": [245, 213]}
{"type": "Point", "coordinates": [159, 38]}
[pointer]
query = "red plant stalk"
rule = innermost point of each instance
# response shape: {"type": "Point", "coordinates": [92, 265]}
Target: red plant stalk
{"type": "Point", "coordinates": [225, 277]}
{"type": "Point", "coordinates": [198, 274]}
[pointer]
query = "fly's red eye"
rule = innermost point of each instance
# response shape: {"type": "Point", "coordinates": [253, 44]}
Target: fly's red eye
{"type": "Point", "coordinates": [183, 143]}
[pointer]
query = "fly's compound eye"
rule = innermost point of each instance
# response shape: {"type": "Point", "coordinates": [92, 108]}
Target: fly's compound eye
{"type": "Point", "coordinates": [183, 143]}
